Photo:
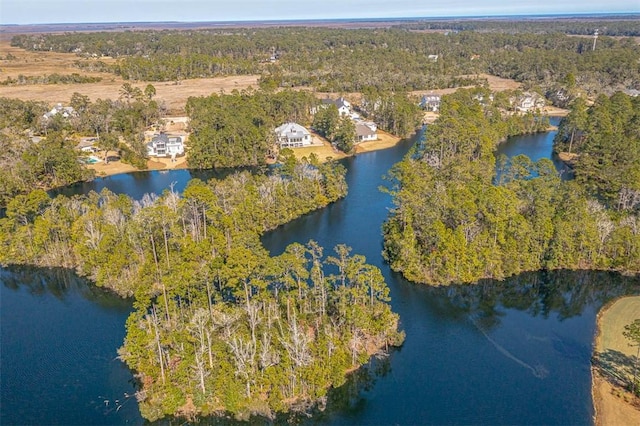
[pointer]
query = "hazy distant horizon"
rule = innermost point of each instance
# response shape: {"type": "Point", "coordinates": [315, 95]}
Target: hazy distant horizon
{"type": "Point", "coordinates": [34, 12]}
{"type": "Point", "coordinates": [329, 20]}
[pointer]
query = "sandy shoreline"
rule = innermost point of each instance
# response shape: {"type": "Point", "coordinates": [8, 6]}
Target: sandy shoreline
{"type": "Point", "coordinates": [118, 167]}
{"type": "Point", "coordinates": [612, 404]}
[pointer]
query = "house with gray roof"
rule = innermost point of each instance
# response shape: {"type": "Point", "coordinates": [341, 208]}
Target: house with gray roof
{"type": "Point", "coordinates": [366, 131]}
{"type": "Point", "coordinates": [344, 106]}
{"type": "Point", "coordinates": [292, 135]}
{"type": "Point", "coordinates": [162, 145]}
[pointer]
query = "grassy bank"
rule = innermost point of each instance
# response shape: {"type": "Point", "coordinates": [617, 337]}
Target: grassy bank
{"type": "Point", "coordinates": [612, 365]}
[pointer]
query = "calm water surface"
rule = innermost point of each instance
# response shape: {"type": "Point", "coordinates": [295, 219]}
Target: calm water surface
{"type": "Point", "coordinates": [512, 352]}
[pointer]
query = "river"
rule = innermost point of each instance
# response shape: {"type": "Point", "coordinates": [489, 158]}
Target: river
{"type": "Point", "coordinates": [511, 352]}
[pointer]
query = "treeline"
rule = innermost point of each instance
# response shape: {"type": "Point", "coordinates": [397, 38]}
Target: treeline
{"type": "Point", "coordinates": [343, 60]}
{"type": "Point", "coordinates": [452, 223]}
{"type": "Point", "coordinates": [340, 131]}
{"type": "Point", "coordinates": [219, 326]}
{"type": "Point", "coordinates": [606, 138]}
{"type": "Point", "coordinates": [395, 112]}
{"type": "Point", "coordinates": [620, 26]}
{"type": "Point", "coordinates": [54, 78]}
{"type": "Point", "coordinates": [116, 241]}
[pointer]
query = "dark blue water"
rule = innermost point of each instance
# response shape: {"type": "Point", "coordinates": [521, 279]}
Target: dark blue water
{"type": "Point", "coordinates": [58, 351]}
{"type": "Point", "coordinates": [511, 352]}
{"type": "Point", "coordinates": [139, 183]}
{"type": "Point", "coordinates": [536, 146]}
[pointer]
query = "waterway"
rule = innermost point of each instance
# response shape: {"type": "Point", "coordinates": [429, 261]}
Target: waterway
{"type": "Point", "coordinates": [511, 352]}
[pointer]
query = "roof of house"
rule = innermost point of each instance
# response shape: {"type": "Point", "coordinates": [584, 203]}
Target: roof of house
{"type": "Point", "coordinates": [291, 130]}
{"type": "Point", "coordinates": [364, 130]}
{"type": "Point", "coordinates": [162, 137]}
{"type": "Point", "coordinates": [59, 109]}
{"type": "Point", "coordinates": [340, 102]}
{"type": "Point", "coordinates": [166, 139]}
{"type": "Point", "coordinates": [431, 97]}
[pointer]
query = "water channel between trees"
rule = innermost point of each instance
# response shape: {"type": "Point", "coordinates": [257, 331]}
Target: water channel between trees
{"type": "Point", "coordinates": [510, 352]}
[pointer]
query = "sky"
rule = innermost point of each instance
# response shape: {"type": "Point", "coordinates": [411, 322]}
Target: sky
{"type": "Point", "coordinates": [73, 11]}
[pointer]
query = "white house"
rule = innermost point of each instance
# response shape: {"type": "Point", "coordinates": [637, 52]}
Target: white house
{"type": "Point", "coordinates": [529, 101]}
{"type": "Point", "coordinates": [366, 131]}
{"type": "Point", "coordinates": [66, 112]}
{"type": "Point", "coordinates": [292, 135]}
{"type": "Point", "coordinates": [165, 146]}
{"type": "Point", "coordinates": [344, 106]}
{"type": "Point", "coordinates": [430, 102]}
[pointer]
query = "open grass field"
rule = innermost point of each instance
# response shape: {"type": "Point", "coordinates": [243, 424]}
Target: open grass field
{"type": "Point", "coordinates": [613, 364]}
{"type": "Point", "coordinates": [44, 63]}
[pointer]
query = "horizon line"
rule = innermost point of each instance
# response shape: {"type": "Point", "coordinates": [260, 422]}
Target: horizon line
{"type": "Point", "coordinates": [359, 19]}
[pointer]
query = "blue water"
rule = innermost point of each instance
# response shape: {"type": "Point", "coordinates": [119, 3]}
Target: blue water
{"type": "Point", "coordinates": [58, 351]}
{"type": "Point", "coordinates": [511, 352]}
{"type": "Point", "coordinates": [536, 146]}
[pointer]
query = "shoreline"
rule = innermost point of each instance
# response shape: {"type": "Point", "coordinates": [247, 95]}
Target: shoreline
{"type": "Point", "coordinates": [612, 404]}
{"type": "Point", "coordinates": [322, 149]}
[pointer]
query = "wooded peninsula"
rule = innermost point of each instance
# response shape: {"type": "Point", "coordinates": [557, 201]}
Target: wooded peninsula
{"type": "Point", "coordinates": [458, 219]}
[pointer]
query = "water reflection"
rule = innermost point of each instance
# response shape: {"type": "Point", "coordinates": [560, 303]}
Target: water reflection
{"type": "Point", "coordinates": [59, 283]}
{"type": "Point", "coordinates": [58, 345]}
{"type": "Point", "coordinates": [137, 184]}
{"type": "Point", "coordinates": [563, 293]}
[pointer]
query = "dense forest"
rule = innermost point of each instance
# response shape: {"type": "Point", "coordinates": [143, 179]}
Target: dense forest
{"type": "Point", "coordinates": [219, 326]}
{"type": "Point", "coordinates": [352, 60]}
{"type": "Point", "coordinates": [606, 139]}
{"type": "Point", "coordinates": [586, 25]}
{"type": "Point", "coordinates": [457, 220]}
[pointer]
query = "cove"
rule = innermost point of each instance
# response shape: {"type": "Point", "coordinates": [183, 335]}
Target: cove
{"type": "Point", "coordinates": [510, 352]}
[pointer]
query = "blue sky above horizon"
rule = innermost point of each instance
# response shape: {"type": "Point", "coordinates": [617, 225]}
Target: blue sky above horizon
{"type": "Point", "coordinates": [74, 11]}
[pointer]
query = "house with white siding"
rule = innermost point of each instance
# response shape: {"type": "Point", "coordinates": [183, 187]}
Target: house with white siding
{"type": "Point", "coordinates": [344, 106]}
{"type": "Point", "coordinates": [366, 131]}
{"type": "Point", "coordinates": [292, 135]}
{"type": "Point", "coordinates": [431, 102]}
{"type": "Point", "coordinates": [162, 145]}
{"type": "Point", "coordinates": [64, 111]}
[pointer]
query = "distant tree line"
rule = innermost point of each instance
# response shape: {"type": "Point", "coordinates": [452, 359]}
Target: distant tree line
{"type": "Point", "coordinates": [343, 60]}
{"type": "Point", "coordinates": [623, 26]}
{"type": "Point", "coordinates": [54, 78]}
